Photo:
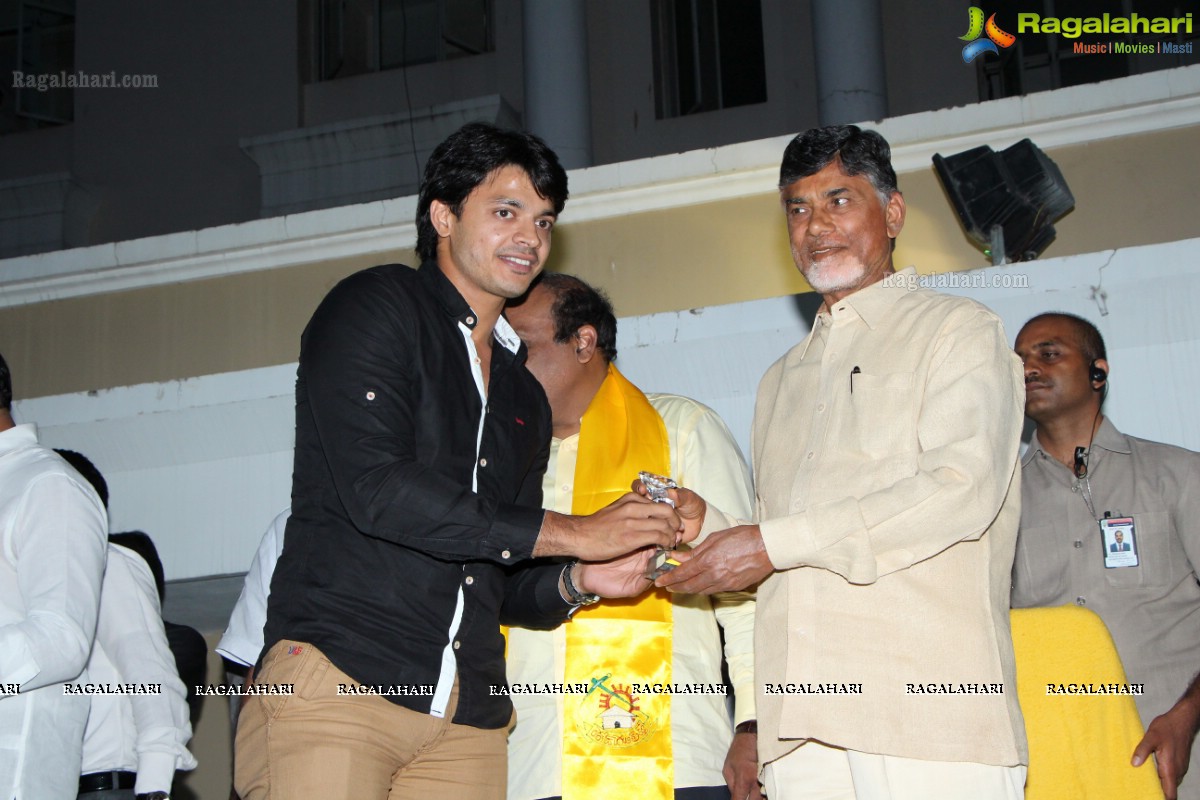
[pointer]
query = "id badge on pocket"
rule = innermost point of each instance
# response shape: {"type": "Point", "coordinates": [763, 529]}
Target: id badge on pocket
{"type": "Point", "coordinates": [1120, 542]}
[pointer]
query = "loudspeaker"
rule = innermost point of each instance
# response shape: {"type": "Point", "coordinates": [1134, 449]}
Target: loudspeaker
{"type": "Point", "coordinates": [1019, 190]}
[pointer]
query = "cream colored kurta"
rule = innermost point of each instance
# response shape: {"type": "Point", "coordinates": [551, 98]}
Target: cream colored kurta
{"type": "Point", "coordinates": [704, 457]}
{"type": "Point", "coordinates": [890, 512]}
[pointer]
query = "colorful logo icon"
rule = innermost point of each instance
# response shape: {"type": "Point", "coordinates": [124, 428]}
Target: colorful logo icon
{"type": "Point", "coordinates": [976, 27]}
{"type": "Point", "coordinates": [619, 720]}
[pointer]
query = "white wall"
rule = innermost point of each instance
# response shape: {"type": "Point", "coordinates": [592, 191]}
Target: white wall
{"type": "Point", "coordinates": [204, 464]}
{"type": "Point", "coordinates": [1147, 318]}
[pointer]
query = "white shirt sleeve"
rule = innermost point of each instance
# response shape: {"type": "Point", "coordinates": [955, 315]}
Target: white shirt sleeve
{"type": "Point", "coordinates": [57, 542]}
{"type": "Point", "coordinates": [243, 639]}
{"type": "Point", "coordinates": [131, 632]}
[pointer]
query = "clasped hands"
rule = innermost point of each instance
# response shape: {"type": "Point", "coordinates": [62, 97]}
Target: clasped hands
{"type": "Point", "coordinates": [616, 543]}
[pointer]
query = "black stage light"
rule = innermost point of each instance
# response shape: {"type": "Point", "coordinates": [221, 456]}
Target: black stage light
{"type": "Point", "coordinates": [1006, 201]}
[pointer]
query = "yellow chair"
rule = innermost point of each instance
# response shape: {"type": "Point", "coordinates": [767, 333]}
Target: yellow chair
{"type": "Point", "coordinates": [1079, 744]}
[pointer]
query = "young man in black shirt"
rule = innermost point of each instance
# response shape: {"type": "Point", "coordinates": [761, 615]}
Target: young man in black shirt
{"type": "Point", "coordinates": [416, 526]}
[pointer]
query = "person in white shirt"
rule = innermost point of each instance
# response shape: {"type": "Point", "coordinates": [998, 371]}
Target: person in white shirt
{"type": "Point", "coordinates": [243, 638]}
{"type": "Point", "coordinates": [134, 740]}
{"type": "Point", "coordinates": [144, 735]}
{"type": "Point", "coordinates": [52, 553]}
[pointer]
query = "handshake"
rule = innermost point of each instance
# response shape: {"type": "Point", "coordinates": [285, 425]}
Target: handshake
{"type": "Point", "coordinates": [624, 546]}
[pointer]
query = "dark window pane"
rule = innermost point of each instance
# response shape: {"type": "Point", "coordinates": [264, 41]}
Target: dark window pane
{"type": "Point", "coordinates": [467, 28]}
{"type": "Point", "coordinates": [1091, 69]}
{"type": "Point", "coordinates": [347, 37]}
{"type": "Point", "coordinates": [357, 36]}
{"type": "Point", "coordinates": [44, 40]}
{"type": "Point", "coordinates": [743, 67]}
{"type": "Point", "coordinates": [708, 55]}
{"type": "Point", "coordinates": [410, 32]}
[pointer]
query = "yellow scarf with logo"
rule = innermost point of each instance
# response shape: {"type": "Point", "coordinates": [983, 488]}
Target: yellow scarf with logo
{"type": "Point", "coordinates": [617, 739]}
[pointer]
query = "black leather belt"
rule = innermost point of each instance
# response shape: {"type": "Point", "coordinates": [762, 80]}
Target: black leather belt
{"type": "Point", "coordinates": [106, 781]}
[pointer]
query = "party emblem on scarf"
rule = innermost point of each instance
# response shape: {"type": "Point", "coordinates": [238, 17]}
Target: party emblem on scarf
{"type": "Point", "coordinates": [612, 714]}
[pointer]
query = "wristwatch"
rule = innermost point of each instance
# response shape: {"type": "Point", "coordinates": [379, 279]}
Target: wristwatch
{"type": "Point", "coordinates": [154, 796]}
{"type": "Point", "coordinates": [574, 596]}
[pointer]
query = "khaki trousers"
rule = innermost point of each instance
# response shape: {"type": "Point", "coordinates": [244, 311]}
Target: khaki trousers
{"type": "Point", "coordinates": [316, 743]}
{"type": "Point", "coordinates": [815, 771]}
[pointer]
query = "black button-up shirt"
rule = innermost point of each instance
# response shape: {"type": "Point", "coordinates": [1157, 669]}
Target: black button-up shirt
{"type": "Point", "coordinates": [386, 530]}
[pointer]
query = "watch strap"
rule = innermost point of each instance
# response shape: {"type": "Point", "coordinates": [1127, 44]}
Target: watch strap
{"type": "Point", "coordinates": [574, 596]}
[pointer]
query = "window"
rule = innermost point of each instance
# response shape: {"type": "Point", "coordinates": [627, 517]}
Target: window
{"type": "Point", "coordinates": [37, 43]}
{"type": "Point", "coordinates": [1038, 62]}
{"type": "Point", "coordinates": [357, 36]}
{"type": "Point", "coordinates": [708, 55]}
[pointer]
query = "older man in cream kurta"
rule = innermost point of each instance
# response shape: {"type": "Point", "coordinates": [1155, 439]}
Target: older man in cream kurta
{"type": "Point", "coordinates": [884, 452]}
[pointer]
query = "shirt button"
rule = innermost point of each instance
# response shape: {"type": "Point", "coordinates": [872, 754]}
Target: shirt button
{"type": "Point", "coordinates": [566, 487]}
{"type": "Point", "coordinates": [370, 395]}
{"type": "Point", "coordinates": [1079, 601]}
{"type": "Point", "coordinates": [457, 644]}
{"type": "Point", "coordinates": [810, 456]}
{"type": "Point", "coordinates": [821, 407]}
{"type": "Point", "coordinates": [470, 320]}
{"type": "Point", "coordinates": [469, 580]}
{"type": "Point", "coordinates": [483, 462]}
{"type": "Point", "coordinates": [477, 360]}
{"type": "Point", "coordinates": [506, 554]}
{"type": "Point", "coordinates": [1078, 544]}
{"type": "Point", "coordinates": [1075, 488]}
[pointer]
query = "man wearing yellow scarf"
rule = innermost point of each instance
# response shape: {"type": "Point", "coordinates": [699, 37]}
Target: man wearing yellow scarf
{"type": "Point", "coordinates": [627, 699]}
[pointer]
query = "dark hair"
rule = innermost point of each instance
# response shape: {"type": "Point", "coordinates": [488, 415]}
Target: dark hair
{"type": "Point", "coordinates": [1087, 335]}
{"type": "Point", "coordinates": [465, 160]}
{"type": "Point", "coordinates": [5, 386]}
{"type": "Point", "coordinates": [84, 466]}
{"type": "Point", "coordinates": [141, 543]}
{"type": "Point", "coordinates": [861, 153]}
{"type": "Point", "coordinates": [577, 303]}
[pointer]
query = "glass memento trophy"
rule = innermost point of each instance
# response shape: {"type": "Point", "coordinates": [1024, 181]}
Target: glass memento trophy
{"type": "Point", "coordinates": [656, 489]}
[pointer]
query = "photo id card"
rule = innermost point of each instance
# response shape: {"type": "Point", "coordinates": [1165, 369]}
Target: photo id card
{"type": "Point", "coordinates": [1120, 542]}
